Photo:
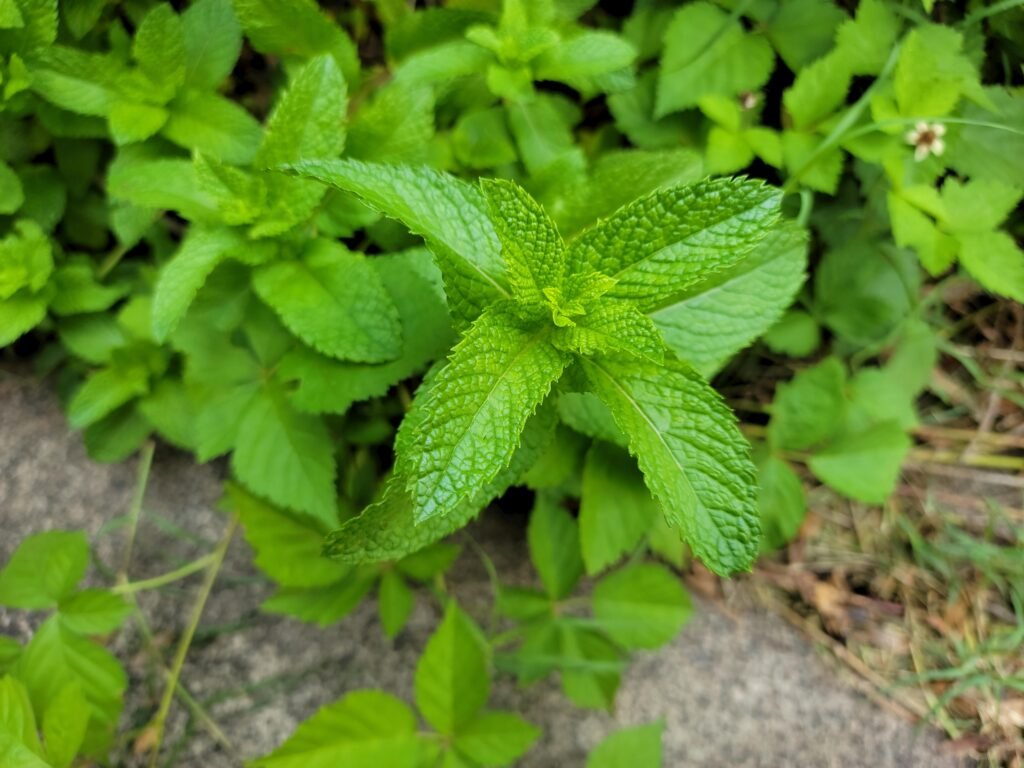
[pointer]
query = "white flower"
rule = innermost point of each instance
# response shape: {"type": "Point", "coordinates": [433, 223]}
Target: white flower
{"type": "Point", "coordinates": [927, 140]}
{"type": "Point", "coordinates": [749, 99]}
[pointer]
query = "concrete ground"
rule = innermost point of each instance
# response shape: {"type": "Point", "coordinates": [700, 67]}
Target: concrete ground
{"type": "Point", "coordinates": [737, 688]}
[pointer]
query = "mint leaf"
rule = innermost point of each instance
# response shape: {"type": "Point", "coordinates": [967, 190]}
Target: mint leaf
{"type": "Point", "coordinates": [449, 214]}
{"type": "Point", "coordinates": [693, 457]}
{"type": "Point", "coordinates": [452, 676]}
{"type": "Point", "coordinates": [331, 386]}
{"type": "Point", "coordinates": [213, 41]}
{"type": "Point", "coordinates": [94, 612]}
{"type": "Point", "coordinates": [637, 747]}
{"type": "Point", "coordinates": [582, 59]}
{"type": "Point", "coordinates": [308, 121]}
{"type": "Point", "coordinates": [708, 53]}
{"type": "Point", "coordinates": [80, 82]}
{"type": "Point", "coordinates": [105, 391]}
{"type": "Point", "coordinates": [287, 549]}
{"type": "Point", "coordinates": [333, 300]}
{"type": "Point", "coordinates": [616, 509]}
{"type": "Point", "coordinates": [464, 425]}
{"type": "Point", "coordinates": [495, 738]}
{"type": "Point", "coordinates": [287, 457]}
{"type": "Point", "coordinates": [712, 321]}
{"type": "Point", "coordinates": [641, 606]}
{"type": "Point", "coordinates": [19, 315]}
{"type": "Point", "coordinates": [530, 243]}
{"type": "Point", "coordinates": [182, 277]}
{"type": "Point", "coordinates": [396, 127]}
{"type": "Point", "coordinates": [213, 125]}
{"type": "Point", "coordinates": [362, 728]}
{"type": "Point", "coordinates": [671, 240]}
{"type": "Point", "coordinates": [11, 194]}
{"type": "Point", "coordinates": [159, 47]}
{"type": "Point", "coordinates": [554, 542]}
{"type": "Point", "coordinates": [44, 569]}
{"type": "Point", "coordinates": [613, 326]}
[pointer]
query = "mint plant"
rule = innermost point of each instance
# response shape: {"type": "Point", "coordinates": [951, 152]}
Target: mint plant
{"type": "Point", "coordinates": [541, 306]}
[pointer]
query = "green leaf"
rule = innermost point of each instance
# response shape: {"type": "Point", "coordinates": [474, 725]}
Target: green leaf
{"type": "Point", "coordinates": [802, 30]}
{"type": "Point", "coordinates": [44, 569]}
{"type": "Point", "coordinates": [334, 301]}
{"type": "Point", "coordinates": [708, 53]}
{"type": "Point", "coordinates": [26, 259]}
{"type": "Point", "coordinates": [131, 122]}
{"type": "Point", "coordinates": [641, 606]}
{"type": "Point", "coordinates": [580, 59]}
{"type": "Point", "coordinates": [323, 605]}
{"type": "Point", "coordinates": [780, 496]}
{"type": "Point", "coordinates": [530, 244]}
{"type": "Point", "coordinates": [17, 720]}
{"type": "Point", "coordinates": [465, 424]}
{"type": "Point", "coordinates": [331, 386]}
{"type": "Point", "coordinates": [10, 15]}
{"type": "Point", "coordinates": [213, 125]}
{"type": "Point", "coordinates": [116, 437]}
{"type": "Point", "coordinates": [10, 650]}
{"type": "Point", "coordinates": [496, 738]}
{"type": "Point", "coordinates": [362, 728]}
{"type": "Point", "coordinates": [394, 601]}
{"type": "Point", "coordinates": [308, 121]}
{"type": "Point", "coordinates": [182, 277]}
{"type": "Point", "coordinates": [980, 151]}
{"type": "Point", "coordinates": [613, 326]}
{"type": "Point", "coordinates": [932, 74]}
{"type": "Point", "coordinates": [443, 63]}
{"type": "Point", "coordinates": [105, 391]}
{"type": "Point", "coordinates": [637, 747]}
{"type": "Point", "coordinates": [19, 315]}
{"type": "Point", "coordinates": [449, 214]}
{"type": "Point", "coordinates": [864, 465]}
{"type": "Point", "coordinates": [616, 509]}
{"type": "Point", "coordinates": [11, 193]}
{"type": "Point", "coordinates": [481, 139]}
{"type": "Point", "coordinates": [213, 41]}
{"type": "Point", "coordinates": [866, 41]}
{"type": "Point", "coordinates": [287, 457]}
{"type": "Point", "coordinates": [796, 334]}
{"type": "Point", "coordinates": [590, 667]}
{"type": "Point", "coordinates": [64, 724]}
{"type": "Point", "coordinates": [810, 408]}
{"type": "Point", "coordinates": [663, 244]}
{"type": "Point", "coordinates": [819, 90]}
{"type": "Point", "coordinates": [159, 47]}
{"type": "Point", "coordinates": [296, 28]}
{"type": "Point", "coordinates": [287, 550]}
{"type": "Point", "coordinates": [823, 172]}
{"type": "Point", "coordinates": [389, 530]}
{"type": "Point", "coordinates": [977, 205]}
{"type": "Point", "coordinates": [452, 676]}
{"type": "Point", "coordinates": [995, 260]}
{"type": "Point", "coordinates": [397, 126]}
{"type": "Point", "coordinates": [554, 541]}
{"type": "Point", "coordinates": [161, 183]}
{"type": "Point", "coordinates": [694, 459]}
{"type": "Point", "coordinates": [94, 612]}
{"type": "Point", "coordinates": [56, 657]}
{"type": "Point", "coordinates": [80, 82]}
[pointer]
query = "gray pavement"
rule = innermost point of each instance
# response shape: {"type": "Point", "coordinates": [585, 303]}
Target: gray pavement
{"type": "Point", "coordinates": [737, 688]}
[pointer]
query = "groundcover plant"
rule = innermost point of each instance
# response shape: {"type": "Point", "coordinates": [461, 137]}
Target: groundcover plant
{"type": "Point", "coordinates": [392, 261]}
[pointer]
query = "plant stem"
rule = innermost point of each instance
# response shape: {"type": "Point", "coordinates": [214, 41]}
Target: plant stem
{"type": "Point", "coordinates": [130, 587]}
{"type": "Point", "coordinates": [186, 639]}
{"type": "Point", "coordinates": [135, 510]}
{"type": "Point", "coordinates": [992, 10]}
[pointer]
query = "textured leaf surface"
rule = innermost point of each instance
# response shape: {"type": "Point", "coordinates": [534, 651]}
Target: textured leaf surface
{"type": "Point", "coordinates": [452, 677]}
{"type": "Point", "coordinates": [213, 125]}
{"type": "Point", "coordinates": [94, 612]}
{"type": "Point", "coordinates": [449, 214]}
{"type": "Point", "coordinates": [287, 457]}
{"type": "Point", "coordinates": [308, 122]}
{"type": "Point", "coordinates": [464, 425]}
{"type": "Point", "coordinates": [694, 459]}
{"type": "Point", "coordinates": [715, 319]}
{"type": "Point", "coordinates": [496, 738]}
{"type": "Point", "coordinates": [365, 728]}
{"type": "Point", "coordinates": [64, 725]}
{"type": "Point", "coordinates": [665, 243]}
{"type": "Point", "coordinates": [183, 276]}
{"type": "Point", "coordinates": [213, 41]}
{"type": "Point", "coordinates": [864, 465]}
{"type": "Point", "coordinates": [332, 386]}
{"type": "Point", "coordinates": [334, 301]}
{"type": "Point", "coordinates": [530, 243]}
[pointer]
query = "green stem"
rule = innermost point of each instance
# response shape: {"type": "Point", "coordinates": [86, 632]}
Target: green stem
{"type": "Point", "coordinates": [992, 10]}
{"type": "Point", "coordinates": [130, 587]}
{"type": "Point", "coordinates": [186, 639]}
{"type": "Point", "coordinates": [843, 126]}
{"type": "Point", "coordinates": [112, 260]}
{"type": "Point", "coordinates": [135, 510]}
{"type": "Point", "coordinates": [871, 127]}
